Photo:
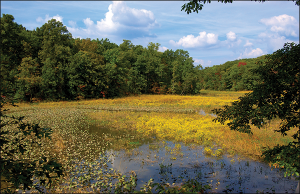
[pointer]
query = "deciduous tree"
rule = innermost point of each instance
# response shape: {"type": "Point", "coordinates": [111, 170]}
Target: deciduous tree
{"type": "Point", "coordinates": [10, 52]}
{"type": "Point", "coordinates": [276, 96]}
{"type": "Point", "coordinates": [55, 55]}
{"type": "Point", "coordinates": [196, 5]}
{"type": "Point", "coordinates": [86, 75]}
{"type": "Point", "coordinates": [28, 79]}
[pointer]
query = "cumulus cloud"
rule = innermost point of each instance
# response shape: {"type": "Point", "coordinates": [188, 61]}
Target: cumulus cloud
{"type": "Point", "coordinates": [189, 41]}
{"type": "Point", "coordinates": [251, 53]}
{"type": "Point", "coordinates": [124, 15]}
{"type": "Point", "coordinates": [120, 20]}
{"type": "Point", "coordinates": [47, 18]}
{"type": "Point", "coordinates": [282, 24]}
{"type": "Point", "coordinates": [231, 36]}
{"type": "Point", "coordinates": [162, 49]}
{"type": "Point", "coordinates": [248, 44]}
{"type": "Point", "coordinates": [88, 22]}
{"type": "Point", "coordinates": [274, 41]}
{"type": "Point", "coordinates": [232, 41]}
{"type": "Point", "coordinates": [72, 23]}
{"type": "Point", "coordinates": [235, 44]}
{"type": "Point", "coordinates": [202, 62]}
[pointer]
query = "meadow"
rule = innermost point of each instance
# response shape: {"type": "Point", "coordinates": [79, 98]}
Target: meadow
{"type": "Point", "coordinates": [129, 122]}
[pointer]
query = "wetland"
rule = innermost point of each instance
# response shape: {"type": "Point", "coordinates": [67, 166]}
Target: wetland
{"type": "Point", "coordinates": [153, 143]}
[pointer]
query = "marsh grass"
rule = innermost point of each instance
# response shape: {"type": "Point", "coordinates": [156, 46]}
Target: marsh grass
{"type": "Point", "coordinates": [211, 99]}
{"type": "Point", "coordinates": [135, 119]}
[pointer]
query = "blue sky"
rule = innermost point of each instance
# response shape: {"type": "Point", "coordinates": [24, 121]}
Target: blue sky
{"type": "Point", "coordinates": [218, 33]}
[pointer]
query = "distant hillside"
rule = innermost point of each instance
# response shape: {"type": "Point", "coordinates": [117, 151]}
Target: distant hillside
{"type": "Point", "coordinates": [232, 75]}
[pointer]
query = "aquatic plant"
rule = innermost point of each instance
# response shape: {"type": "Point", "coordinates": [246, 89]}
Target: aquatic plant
{"type": "Point", "coordinates": [164, 117]}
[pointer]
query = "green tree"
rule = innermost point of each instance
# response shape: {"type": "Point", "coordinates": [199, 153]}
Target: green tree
{"type": "Point", "coordinates": [28, 79]}
{"type": "Point", "coordinates": [176, 77]}
{"type": "Point", "coordinates": [276, 96]}
{"type": "Point", "coordinates": [196, 5]}
{"type": "Point", "coordinates": [86, 75]}
{"type": "Point", "coordinates": [55, 55]}
{"type": "Point", "coordinates": [135, 81]}
{"type": "Point", "coordinates": [153, 68]}
{"type": "Point", "coordinates": [103, 45]}
{"type": "Point", "coordinates": [11, 52]}
{"type": "Point", "coordinates": [115, 72]}
{"type": "Point", "coordinates": [146, 69]}
{"type": "Point", "coordinates": [183, 73]}
{"type": "Point", "coordinates": [168, 57]}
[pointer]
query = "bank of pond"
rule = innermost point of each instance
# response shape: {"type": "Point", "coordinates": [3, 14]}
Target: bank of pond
{"type": "Point", "coordinates": [156, 144]}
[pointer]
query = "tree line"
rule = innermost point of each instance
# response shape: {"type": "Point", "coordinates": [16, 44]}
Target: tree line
{"type": "Point", "coordinates": [48, 64]}
{"type": "Point", "coordinates": [233, 75]}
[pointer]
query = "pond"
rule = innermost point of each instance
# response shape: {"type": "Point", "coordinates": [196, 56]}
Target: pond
{"type": "Point", "coordinates": [173, 162]}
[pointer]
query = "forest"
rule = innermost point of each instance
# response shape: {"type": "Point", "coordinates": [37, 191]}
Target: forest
{"type": "Point", "coordinates": [47, 63]}
{"type": "Point", "coordinates": [118, 111]}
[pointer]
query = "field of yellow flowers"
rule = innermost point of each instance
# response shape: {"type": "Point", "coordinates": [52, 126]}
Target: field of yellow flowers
{"type": "Point", "coordinates": [175, 118]}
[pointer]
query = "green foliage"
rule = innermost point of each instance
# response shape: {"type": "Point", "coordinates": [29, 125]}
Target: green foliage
{"type": "Point", "coordinates": [10, 52]}
{"type": "Point", "coordinates": [116, 72]}
{"type": "Point", "coordinates": [231, 75]}
{"type": "Point", "coordinates": [286, 157]}
{"type": "Point", "coordinates": [18, 167]}
{"type": "Point", "coordinates": [85, 74]}
{"type": "Point", "coordinates": [51, 65]}
{"type": "Point", "coordinates": [54, 55]}
{"type": "Point", "coordinates": [103, 45]}
{"type": "Point", "coordinates": [181, 71]}
{"type": "Point", "coordinates": [123, 185]}
{"type": "Point", "coordinates": [54, 66]}
{"type": "Point", "coordinates": [28, 78]}
{"type": "Point", "coordinates": [276, 96]}
{"type": "Point", "coordinates": [195, 5]}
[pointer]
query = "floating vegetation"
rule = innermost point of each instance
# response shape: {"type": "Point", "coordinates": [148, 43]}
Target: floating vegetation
{"type": "Point", "coordinates": [86, 131]}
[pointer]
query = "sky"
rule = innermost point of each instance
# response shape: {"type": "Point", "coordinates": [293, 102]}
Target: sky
{"type": "Point", "coordinates": [218, 33]}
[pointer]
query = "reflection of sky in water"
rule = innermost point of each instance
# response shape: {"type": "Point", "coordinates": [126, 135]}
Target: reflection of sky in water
{"type": "Point", "coordinates": [246, 176]}
{"type": "Point", "coordinates": [201, 112]}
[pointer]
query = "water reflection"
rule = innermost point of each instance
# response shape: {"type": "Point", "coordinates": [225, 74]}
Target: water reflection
{"type": "Point", "coordinates": [202, 112]}
{"type": "Point", "coordinates": [173, 163]}
{"type": "Point", "coordinates": [225, 174]}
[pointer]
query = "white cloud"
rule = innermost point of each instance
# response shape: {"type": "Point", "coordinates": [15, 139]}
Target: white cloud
{"type": "Point", "coordinates": [282, 24]}
{"type": "Point", "coordinates": [279, 27]}
{"type": "Point", "coordinates": [232, 41]}
{"type": "Point", "coordinates": [88, 22]}
{"type": "Point", "coordinates": [47, 18]}
{"type": "Point", "coordinates": [202, 40]}
{"type": "Point", "coordinates": [274, 41]}
{"type": "Point", "coordinates": [248, 44]}
{"type": "Point", "coordinates": [251, 53]}
{"type": "Point", "coordinates": [235, 44]}
{"type": "Point", "coordinates": [277, 42]}
{"type": "Point", "coordinates": [201, 62]}
{"type": "Point", "coordinates": [162, 49]}
{"type": "Point", "coordinates": [120, 20]}
{"type": "Point", "coordinates": [72, 23]}
{"type": "Point", "coordinates": [130, 16]}
{"type": "Point", "coordinates": [231, 36]}
{"type": "Point", "coordinates": [107, 23]}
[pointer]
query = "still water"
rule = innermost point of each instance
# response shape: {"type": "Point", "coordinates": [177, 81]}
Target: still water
{"type": "Point", "coordinates": [169, 162]}
{"type": "Point", "coordinates": [225, 174]}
